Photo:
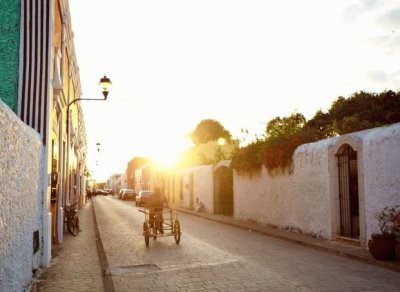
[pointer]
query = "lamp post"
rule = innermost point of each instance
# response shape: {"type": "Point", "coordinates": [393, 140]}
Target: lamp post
{"type": "Point", "coordinates": [98, 146]}
{"type": "Point", "coordinates": [105, 84]}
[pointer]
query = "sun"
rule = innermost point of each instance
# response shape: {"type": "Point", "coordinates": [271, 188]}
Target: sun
{"type": "Point", "coordinates": [168, 155]}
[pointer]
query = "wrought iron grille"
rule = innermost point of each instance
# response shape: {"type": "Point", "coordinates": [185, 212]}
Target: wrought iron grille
{"type": "Point", "coordinates": [348, 193]}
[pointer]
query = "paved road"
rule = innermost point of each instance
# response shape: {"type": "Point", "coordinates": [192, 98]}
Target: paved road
{"type": "Point", "coordinates": [217, 257]}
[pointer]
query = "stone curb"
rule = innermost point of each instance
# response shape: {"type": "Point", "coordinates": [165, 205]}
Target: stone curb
{"type": "Point", "coordinates": [107, 278]}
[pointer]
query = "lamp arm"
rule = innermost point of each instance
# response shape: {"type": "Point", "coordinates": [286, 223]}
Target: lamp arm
{"type": "Point", "coordinates": [75, 100]}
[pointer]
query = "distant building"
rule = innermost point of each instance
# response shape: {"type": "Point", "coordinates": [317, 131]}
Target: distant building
{"type": "Point", "coordinates": [134, 164]}
{"type": "Point", "coordinates": [115, 183]}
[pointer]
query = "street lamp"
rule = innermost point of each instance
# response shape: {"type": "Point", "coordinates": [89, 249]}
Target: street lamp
{"type": "Point", "coordinates": [105, 84]}
{"type": "Point", "coordinates": [98, 146]}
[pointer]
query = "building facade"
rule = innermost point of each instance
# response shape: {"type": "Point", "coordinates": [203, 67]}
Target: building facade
{"type": "Point", "coordinates": [41, 79]}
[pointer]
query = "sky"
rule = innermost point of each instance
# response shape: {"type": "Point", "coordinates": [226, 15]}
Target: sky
{"type": "Point", "coordinates": [240, 62]}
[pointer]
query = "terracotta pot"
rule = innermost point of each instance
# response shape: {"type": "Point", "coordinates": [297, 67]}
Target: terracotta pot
{"type": "Point", "coordinates": [382, 247]}
{"type": "Point", "coordinates": [397, 251]}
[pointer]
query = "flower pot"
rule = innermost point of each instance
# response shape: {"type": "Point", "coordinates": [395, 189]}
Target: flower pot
{"type": "Point", "coordinates": [382, 247]}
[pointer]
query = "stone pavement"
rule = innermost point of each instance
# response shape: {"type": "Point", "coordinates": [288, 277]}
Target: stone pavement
{"type": "Point", "coordinates": [81, 263]}
{"type": "Point", "coordinates": [347, 249]}
{"type": "Point", "coordinates": [76, 265]}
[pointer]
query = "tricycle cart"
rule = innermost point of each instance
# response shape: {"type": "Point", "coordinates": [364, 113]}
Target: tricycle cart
{"type": "Point", "coordinates": [160, 224]}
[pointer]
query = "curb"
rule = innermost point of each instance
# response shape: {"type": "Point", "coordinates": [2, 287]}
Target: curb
{"type": "Point", "coordinates": [107, 278]}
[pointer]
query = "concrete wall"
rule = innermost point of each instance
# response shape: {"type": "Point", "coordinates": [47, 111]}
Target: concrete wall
{"type": "Point", "coordinates": [203, 187]}
{"type": "Point", "coordinates": [306, 199]}
{"type": "Point", "coordinates": [381, 149]}
{"type": "Point", "coordinates": [21, 164]}
{"type": "Point", "coordinates": [298, 201]}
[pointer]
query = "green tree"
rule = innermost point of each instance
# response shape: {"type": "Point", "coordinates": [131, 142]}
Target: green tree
{"type": "Point", "coordinates": [278, 126]}
{"type": "Point", "coordinates": [249, 159]}
{"type": "Point", "coordinates": [209, 130]}
{"type": "Point", "coordinates": [320, 126]}
{"type": "Point", "coordinates": [284, 135]}
{"type": "Point", "coordinates": [364, 110]}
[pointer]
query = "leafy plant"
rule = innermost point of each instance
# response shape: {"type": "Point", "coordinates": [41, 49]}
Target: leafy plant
{"type": "Point", "coordinates": [249, 159]}
{"type": "Point", "coordinates": [362, 110]}
{"type": "Point", "coordinates": [388, 220]}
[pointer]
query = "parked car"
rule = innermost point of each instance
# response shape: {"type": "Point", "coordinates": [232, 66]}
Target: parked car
{"type": "Point", "coordinates": [99, 192]}
{"type": "Point", "coordinates": [120, 193]}
{"type": "Point", "coordinates": [109, 191]}
{"type": "Point", "coordinates": [128, 194]}
{"type": "Point", "coordinates": [142, 198]}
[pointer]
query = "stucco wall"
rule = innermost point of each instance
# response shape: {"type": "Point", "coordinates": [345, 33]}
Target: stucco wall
{"type": "Point", "coordinates": [381, 149]}
{"type": "Point", "coordinates": [305, 202]}
{"type": "Point", "coordinates": [10, 12]}
{"type": "Point", "coordinates": [203, 187]}
{"type": "Point", "coordinates": [21, 164]}
{"type": "Point", "coordinates": [299, 201]}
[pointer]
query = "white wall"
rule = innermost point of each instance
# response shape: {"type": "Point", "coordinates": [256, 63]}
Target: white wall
{"type": "Point", "coordinates": [382, 174]}
{"type": "Point", "coordinates": [203, 186]}
{"type": "Point", "coordinates": [185, 202]}
{"type": "Point", "coordinates": [21, 164]}
{"type": "Point", "coordinates": [297, 201]}
{"type": "Point", "coordinates": [305, 200]}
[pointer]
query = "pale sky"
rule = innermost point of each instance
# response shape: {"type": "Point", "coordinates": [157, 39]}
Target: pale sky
{"type": "Point", "coordinates": [242, 63]}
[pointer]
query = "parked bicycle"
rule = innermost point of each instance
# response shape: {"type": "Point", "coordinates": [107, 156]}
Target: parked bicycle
{"type": "Point", "coordinates": [71, 219]}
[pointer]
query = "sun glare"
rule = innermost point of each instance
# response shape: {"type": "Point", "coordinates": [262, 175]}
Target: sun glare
{"type": "Point", "coordinates": [168, 155]}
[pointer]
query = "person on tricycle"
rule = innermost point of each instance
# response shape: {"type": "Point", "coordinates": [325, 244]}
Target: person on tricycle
{"type": "Point", "coordinates": [155, 204]}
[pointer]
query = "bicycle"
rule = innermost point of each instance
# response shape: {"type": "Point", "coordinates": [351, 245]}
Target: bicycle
{"type": "Point", "coordinates": [71, 219]}
{"type": "Point", "coordinates": [160, 224]}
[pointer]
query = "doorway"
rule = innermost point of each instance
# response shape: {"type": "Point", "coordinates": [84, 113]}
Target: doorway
{"type": "Point", "coordinates": [348, 192]}
{"type": "Point", "coordinates": [223, 191]}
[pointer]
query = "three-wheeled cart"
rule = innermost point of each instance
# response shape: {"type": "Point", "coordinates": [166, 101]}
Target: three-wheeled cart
{"type": "Point", "coordinates": [160, 224]}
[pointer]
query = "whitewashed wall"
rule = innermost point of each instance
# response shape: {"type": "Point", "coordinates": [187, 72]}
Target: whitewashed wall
{"type": "Point", "coordinates": [299, 201]}
{"type": "Point", "coordinates": [21, 164]}
{"type": "Point", "coordinates": [203, 186]}
{"type": "Point", "coordinates": [305, 200]}
{"type": "Point", "coordinates": [381, 172]}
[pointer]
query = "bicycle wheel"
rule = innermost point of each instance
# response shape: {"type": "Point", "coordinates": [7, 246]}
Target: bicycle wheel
{"type": "Point", "coordinates": [146, 232]}
{"type": "Point", "coordinates": [177, 231]}
{"type": "Point", "coordinates": [73, 225]}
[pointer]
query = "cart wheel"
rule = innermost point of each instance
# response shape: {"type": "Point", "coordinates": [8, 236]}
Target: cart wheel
{"type": "Point", "coordinates": [146, 233]}
{"type": "Point", "coordinates": [177, 231]}
{"type": "Point", "coordinates": [156, 226]}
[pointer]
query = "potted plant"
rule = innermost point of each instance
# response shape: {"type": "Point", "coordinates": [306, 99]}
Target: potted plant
{"type": "Point", "coordinates": [382, 245]}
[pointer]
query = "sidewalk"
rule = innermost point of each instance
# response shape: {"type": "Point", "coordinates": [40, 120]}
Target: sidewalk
{"type": "Point", "coordinates": [347, 249]}
{"type": "Point", "coordinates": [76, 266]}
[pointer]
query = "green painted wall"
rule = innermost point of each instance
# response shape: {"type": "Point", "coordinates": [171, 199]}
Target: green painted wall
{"type": "Point", "coordinates": [10, 15]}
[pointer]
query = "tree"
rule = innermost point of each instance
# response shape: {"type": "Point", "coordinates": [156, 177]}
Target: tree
{"type": "Point", "coordinates": [209, 130]}
{"type": "Point", "coordinates": [320, 126]}
{"type": "Point", "coordinates": [362, 110]}
{"type": "Point", "coordinates": [284, 135]}
{"type": "Point", "coordinates": [285, 126]}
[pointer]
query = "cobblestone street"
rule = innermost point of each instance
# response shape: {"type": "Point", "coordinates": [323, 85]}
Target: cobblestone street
{"type": "Point", "coordinates": [211, 256]}
{"type": "Point", "coordinates": [217, 257]}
